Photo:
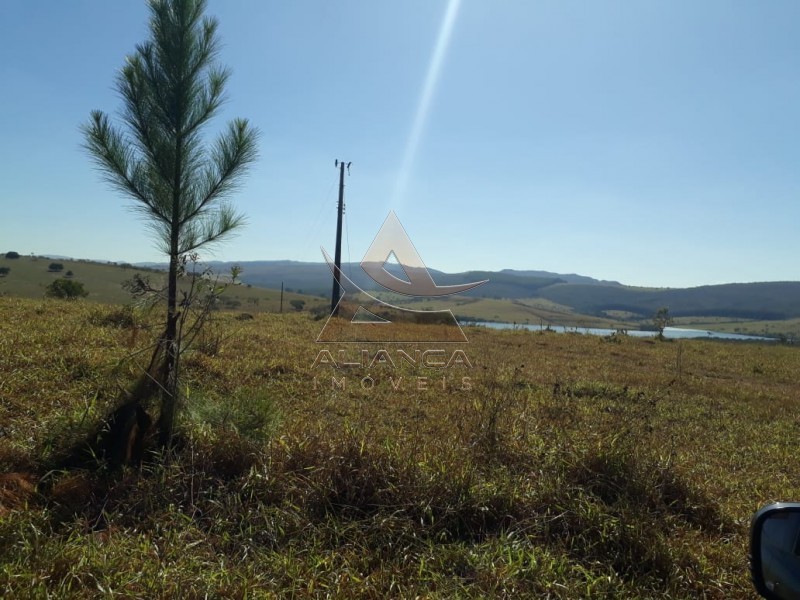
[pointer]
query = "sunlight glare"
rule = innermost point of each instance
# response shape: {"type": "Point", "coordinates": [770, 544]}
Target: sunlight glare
{"type": "Point", "coordinates": [424, 105]}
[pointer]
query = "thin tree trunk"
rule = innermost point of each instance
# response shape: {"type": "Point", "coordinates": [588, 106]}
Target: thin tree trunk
{"type": "Point", "coordinates": [169, 398]}
{"type": "Point", "coordinates": [169, 375]}
{"type": "Point", "coordinates": [169, 378]}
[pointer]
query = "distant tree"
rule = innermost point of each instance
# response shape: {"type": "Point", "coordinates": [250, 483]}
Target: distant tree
{"type": "Point", "coordinates": [236, 270]}
{"type": "Point", "coordinates": [298, 304]}
{"type": "Point", "coordinates": [12, 255]}
{"type": "Point", "coordinates": [55, 267]}
{"type": "Point", "coordinates": [662, 320]}
{"type": "Point", "coordinates": [4, 271]}
{"type": "Point", "coordinates": [66, 289]}
{"type": "Point", "coordinates": [171, 87]}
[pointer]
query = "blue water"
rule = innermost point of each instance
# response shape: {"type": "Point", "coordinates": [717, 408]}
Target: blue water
{"type": "Point", "coordinates": [669, 332]}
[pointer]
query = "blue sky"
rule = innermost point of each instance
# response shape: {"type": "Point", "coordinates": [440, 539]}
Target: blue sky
{"type": "Point", "coordinates": [655, 143]}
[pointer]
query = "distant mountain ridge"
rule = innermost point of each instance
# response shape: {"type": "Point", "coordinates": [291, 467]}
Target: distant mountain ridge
{"type": "Point", "coordinates": [582, 294]}
{"type": "Point", "coordinates": [762, 301]}
{"type": "Point", "coordinates": [315, 278]}
{"type": "Point", "coordinates": [568, 278]}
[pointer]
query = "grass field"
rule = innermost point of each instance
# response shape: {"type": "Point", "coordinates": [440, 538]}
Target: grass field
{"type": "Point", "coordinates": [565, 466]}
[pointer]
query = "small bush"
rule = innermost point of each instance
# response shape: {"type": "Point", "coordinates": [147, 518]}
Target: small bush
{"type": "Point", "coordinates": [250, 413]}
{"type": "Point", "coordinates": [55, 267]}
{"type": "Point", "coordinates": [4, 271]}
{"type": "Point", "coordinates": [124, 317]}
{"type": "Point", "coordinates": [66, 289]}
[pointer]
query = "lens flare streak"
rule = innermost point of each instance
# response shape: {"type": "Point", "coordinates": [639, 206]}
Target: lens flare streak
{"type": "Point", "coordinates": [425, 100]}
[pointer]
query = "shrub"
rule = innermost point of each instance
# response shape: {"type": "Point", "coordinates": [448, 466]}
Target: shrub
{"type": "Point", "coordinates": [66, 289]}
{"type": "Point", "coordinates": [12, 255]}
{"type": "Point", "coordinates": [4, 271]}
{"type": "Point", "coordinates": [249, 413]}
{"type": "Point", "coordinates": [298, 304]}
{"type": "Point", "coordinates": [55, 267]}
{"type": "Point", "coordinates": [661, 320]}
{"type": "Point", "coordinates": [124, 317]}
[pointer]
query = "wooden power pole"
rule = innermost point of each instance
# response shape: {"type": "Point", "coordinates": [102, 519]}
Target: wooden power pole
{"type": "Point", "coordinates": [337, 261]}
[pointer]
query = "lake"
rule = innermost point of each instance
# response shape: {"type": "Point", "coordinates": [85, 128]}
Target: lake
{"type": "Point", "coordinates": [669, 332]}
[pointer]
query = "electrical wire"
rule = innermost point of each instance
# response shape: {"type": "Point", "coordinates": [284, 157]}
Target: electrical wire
{"type": "Point", "coordinates": [313, 231]}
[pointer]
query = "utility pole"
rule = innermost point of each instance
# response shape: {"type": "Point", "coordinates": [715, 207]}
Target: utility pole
{"type": "Point", "coordinates": [338, 256]}
{"type": "Point", "coordinates": [281, 296]}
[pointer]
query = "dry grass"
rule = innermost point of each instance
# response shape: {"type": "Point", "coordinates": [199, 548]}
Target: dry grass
{"type": "Point", "coordinates": [573, 467]}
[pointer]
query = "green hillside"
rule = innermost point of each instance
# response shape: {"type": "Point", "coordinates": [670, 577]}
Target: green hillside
{"type": "Point", "coordinates": [28, 277]}
{"type": "Point", "coordinates": [500, 285]}
{"type": "Point", "coordinates": [762, 301]}
{"type": "Point", "coordinates": [532, 311]}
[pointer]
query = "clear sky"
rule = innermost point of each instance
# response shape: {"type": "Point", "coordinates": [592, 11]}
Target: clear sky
{"type": "Point", "coordinates": [656, 143]}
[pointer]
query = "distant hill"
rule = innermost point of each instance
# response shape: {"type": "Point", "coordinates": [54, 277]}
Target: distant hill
{"type": "Point", "coordinates": [573, 295]}
{"type": "Point", "coordinates": [581, 294]}
{"type": "Point", "coordinates": [762, 301]}
{"type": "Point", "coordinates": [500, 284]}
{"type": "Point", "coordinates": [567, 278]}
{"type": "Point", "coordinates": [29, 276]}
{"type": "Point", "coordinates": [315, 278]}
